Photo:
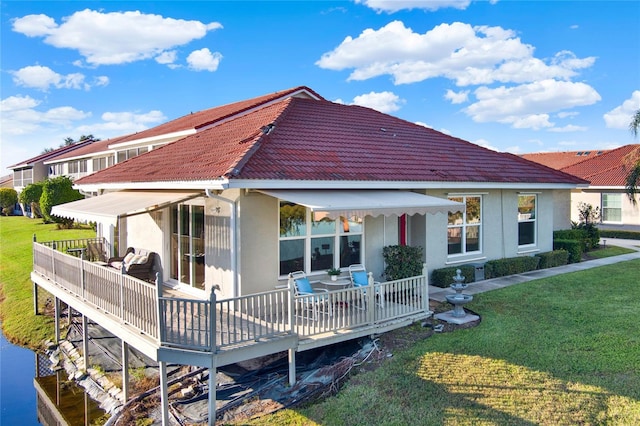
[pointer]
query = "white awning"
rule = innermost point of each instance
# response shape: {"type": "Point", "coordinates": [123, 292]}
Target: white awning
{"type": "Point", "coordinates": [109, 207]}
{"type": "Point", "coordinates": [361, 203]}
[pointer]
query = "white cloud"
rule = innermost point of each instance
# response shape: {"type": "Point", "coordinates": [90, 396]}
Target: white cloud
{"type": "Point", "coordinates": [620, 117]}
{"type": "Point", "coordinates": [167, 57]}
{"type": "Point", "coordinates": [391, 6]}
{"type": "Point", "coordinates": [43, 78]}
{"type": "Point", "coordinates": [457, 97]}
{"type": "Point", "coordinates": [528, 105]}
{"type": "Point", "coordinates": [114, 38]}
{"type": "Point", "coordinates": [26, 128]}
{"type": "Point", "coordinates": [569, 128]}
{"type": "Point", "coordinates": [460, 52]}
{"type": "Point", "coordinates": [204, 60]}
{"type": "Point", "coordinates": [380, 101]}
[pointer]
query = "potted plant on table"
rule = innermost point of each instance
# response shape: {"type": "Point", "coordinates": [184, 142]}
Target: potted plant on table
{"type": "Point", "coordinates": [333, 273]}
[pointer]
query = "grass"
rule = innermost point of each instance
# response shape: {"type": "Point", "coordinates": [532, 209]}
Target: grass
{"type": "Point", "coordinates": [19, 324]}
{"type": "Point", "coordinates": [563, 350]}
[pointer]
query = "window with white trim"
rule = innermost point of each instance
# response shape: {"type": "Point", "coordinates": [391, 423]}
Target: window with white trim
{"type": "Point", "coordinates": [464, 230]}
{"type": "Point", "coordinates": [312, 243]}
{"type": "Point", "coordinates": [527, 219]}
{"type": "Point", "coordinates": [612, 208]}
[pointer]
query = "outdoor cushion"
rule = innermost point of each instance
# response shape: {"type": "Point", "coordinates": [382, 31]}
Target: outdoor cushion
{"type": "Point", "coordinates": [304, 286]}
{"type": "Point", "coordinates": [138, 259]}
{"type": "Point", "coordinates": [127, 259]}
{"type": "Point", "coordinates": [360, 278]}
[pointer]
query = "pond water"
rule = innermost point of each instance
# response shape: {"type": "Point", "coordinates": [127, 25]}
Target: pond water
{"type": "Point", "coordinates": [17, 394]}
{"type": "Point", "coordinates": [56, 400]}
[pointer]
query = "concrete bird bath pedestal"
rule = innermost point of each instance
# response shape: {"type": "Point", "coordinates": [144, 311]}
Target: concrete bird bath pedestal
{"type": "Point", "coordinates": [458, 300]}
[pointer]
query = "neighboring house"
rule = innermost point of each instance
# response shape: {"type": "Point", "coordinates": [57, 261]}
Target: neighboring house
{"type": "Point", "coordinates": [606, 171]}
{"type": "Point", "coordinates": [245, 194]}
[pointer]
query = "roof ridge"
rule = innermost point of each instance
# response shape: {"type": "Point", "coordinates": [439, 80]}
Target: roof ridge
{"type": "Point", "coordinates": [236, 167]}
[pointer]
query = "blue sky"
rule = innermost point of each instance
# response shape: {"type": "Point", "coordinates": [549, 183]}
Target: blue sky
{"type": "Point", "coordinates": [514, 76]}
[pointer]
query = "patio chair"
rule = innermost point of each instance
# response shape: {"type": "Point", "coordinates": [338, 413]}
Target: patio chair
{"type": "Point", "coordinates": [360, 278]}
{"type": "Point", "coordinates": [316, 304]}
{"type": "Point", "coordinates": [96, 252]}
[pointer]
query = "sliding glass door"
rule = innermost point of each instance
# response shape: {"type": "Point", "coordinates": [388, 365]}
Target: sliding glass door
{"type": "Point", "coordinates": [187, 244]}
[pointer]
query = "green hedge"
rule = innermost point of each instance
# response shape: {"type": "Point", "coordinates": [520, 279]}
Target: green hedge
{"type": "Point", "coordinates": [554, 258]}
{"type": "Point", "coordinates": [444, 277]}
{"type": "Point", "coordinates": [510, 266]}
{"type": "Point", "coordinates": [626, 235]}
{"type": "Point", "coordinates": [588, 236]}
{"type": "Point", "coordinates": [574, 247]}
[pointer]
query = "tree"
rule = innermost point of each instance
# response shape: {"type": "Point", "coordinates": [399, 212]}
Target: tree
{"type": "Point", "coordinates": [70, 141]}
{"type": "Point", "coordinates": [632, 181]}
{"type": "Point", "coordinates": [8, 197]}
{"type": "Point", "coordinates": [55, 191]}
{"type": "Point", "coordinates": [31, 195]}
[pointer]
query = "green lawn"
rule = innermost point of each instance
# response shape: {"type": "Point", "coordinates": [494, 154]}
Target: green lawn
{"type": "Point", "coordinates": [563, 350]}
{"type": "Point", "coordinates": [19, 324]}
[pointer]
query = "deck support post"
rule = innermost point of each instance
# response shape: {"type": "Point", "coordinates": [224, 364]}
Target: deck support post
{"type": "Point", "coordinates": [164, 393]}
{"type": "Point", "coordinates": [35, 299]}
{"type": "Point", "coordinates": [292, 366]}
{"type": "Point", "coordinates": [213, 372]}
{"type": "Point", "coordinates": [56, 316]}
{"type": "Point", "coordinates": [85, 341]}
{"type": "Point", "coordinates": [125, 370]}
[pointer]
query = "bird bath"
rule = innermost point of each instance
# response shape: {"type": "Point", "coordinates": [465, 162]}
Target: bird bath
{"type": "Point", "coordinates": [458, 300]}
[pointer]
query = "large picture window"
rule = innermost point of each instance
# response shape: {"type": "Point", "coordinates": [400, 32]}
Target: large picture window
{"type": "Point", "coordinates": [464, 230]}
{"type": "Point", "coordinates": [315, 244]}
{"type": "Point", "coordinates": [612, 208]}
{"type": "Point", "coordinates": [527, 219]}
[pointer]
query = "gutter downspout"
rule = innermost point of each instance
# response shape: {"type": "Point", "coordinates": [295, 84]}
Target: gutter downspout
{"type": "Point", "coordinates": [233, 251]}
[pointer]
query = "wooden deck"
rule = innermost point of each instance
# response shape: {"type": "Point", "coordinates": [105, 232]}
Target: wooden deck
{"type": "Point", "coordinates": [172, 327]}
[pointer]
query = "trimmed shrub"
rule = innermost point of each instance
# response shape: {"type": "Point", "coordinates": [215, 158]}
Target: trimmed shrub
{"type": "Point", "coordinates": [574, 247]}
{"type": "Point", "coordinates": [510, 266]}
{"type": "Point", "coordinates": [402, 262]}
{"type": "Point", "coordinates": [8, 197]}
{"type": "Point", "coordinates": [443, 277]}
{"type": "Point", "coordinates": [612, 233]}
{"type": "Point", "coordinates": [554, 258]}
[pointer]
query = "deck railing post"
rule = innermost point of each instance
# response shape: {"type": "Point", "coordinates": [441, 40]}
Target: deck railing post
{"type": "Point", "coordinates": [82, 277]}
{"type": "Point", "coordinates": [53, 260]}
{"type": "Point", "coordinates": [161, 308]}
{"type": "Point", "coordinates": [290, 297]}
{"type": "Point", "coordinates": [425, 290]}
{"type": "Point", "coordinates": [124, 272]}
{"type": "Point", "coordinates": [35, 286]}
{"type": "Point", "coordinates": [212, 320]}
{"type": "Point", "coordinates": [371, 298]}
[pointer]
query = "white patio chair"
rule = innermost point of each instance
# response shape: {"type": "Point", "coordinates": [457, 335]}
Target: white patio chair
{"type": "Point", "coordinates": [315, 304]}
{"type": "Point", "coordinates": [360, 278]}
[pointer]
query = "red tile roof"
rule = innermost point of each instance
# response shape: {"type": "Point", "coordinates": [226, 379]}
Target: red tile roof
{"type": "Point", "coordinates": [609, 169]}
{"type": "Point", "coordinates": [51, 154]}
{"type": "Point", "coordinates": [319, 140]}
{"type": "Point", "coordinates": [560, 160]}
{"type": "Point", "coordinates": [199, 119]}
{"type": "Point", "coordinates": [92, 148]}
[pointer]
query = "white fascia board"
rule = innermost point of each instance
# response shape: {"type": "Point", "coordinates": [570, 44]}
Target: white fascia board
{"type": "Point", "coordinates": [221, 184]}
{"type": "Point", "coordinates": [82, 157]}
{"type": "Point", "coordinates": [162, 139]}
{"type": "Point", "coordinates": [331, 184]}
{"type": "Point", "coordinates": [610, 188]}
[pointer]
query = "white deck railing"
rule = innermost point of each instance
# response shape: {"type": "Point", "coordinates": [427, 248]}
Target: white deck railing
{"type": "Point", "coordinates": [212, 325]}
